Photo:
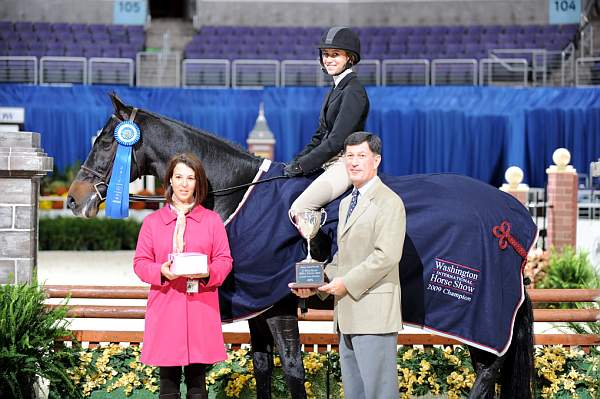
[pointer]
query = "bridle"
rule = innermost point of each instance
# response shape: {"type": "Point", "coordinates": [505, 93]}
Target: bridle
{"type": "Point", "coordinates": [158, 198]}
{"type": "Point", "coordinates": [104, 179]}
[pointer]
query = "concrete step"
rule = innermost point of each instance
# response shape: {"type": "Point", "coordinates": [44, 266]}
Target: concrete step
{"type": "Point", "coordinates": [180, 33]}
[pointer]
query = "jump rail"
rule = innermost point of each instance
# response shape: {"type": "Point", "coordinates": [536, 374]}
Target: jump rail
{"type": "Point", "coordinates": [317, 341]}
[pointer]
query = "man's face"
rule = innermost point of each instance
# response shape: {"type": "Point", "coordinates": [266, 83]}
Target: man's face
{"type": "Point", "coordinates": [361, 163]}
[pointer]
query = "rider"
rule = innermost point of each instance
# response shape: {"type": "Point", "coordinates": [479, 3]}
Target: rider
{"type": "Point", "coordinates": [344, 112]}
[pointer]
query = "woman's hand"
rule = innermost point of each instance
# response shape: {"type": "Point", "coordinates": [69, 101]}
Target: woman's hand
{"type": "Point", "coordinates": [302, 292]}
{"type": "Point", "coordinates": [165, 270]}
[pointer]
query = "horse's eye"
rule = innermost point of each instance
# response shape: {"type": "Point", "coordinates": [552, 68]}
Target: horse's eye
{"type": "Point", "coordinates": [106, 144]}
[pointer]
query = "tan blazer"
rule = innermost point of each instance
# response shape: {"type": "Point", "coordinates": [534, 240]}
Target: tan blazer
{"type": "Point", "coordinates": [369, 250]}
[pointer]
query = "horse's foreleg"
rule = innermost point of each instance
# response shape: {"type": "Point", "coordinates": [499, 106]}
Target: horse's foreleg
{"type": "Point", "coordinates": [262, 355]}
{"type": "Point", "coordinates": [284, 329]}
{"type": "Point", "coordinates": [487, 367]}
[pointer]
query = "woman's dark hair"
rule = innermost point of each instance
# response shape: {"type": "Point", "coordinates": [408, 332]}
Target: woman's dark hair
{"type": "Point", "coordinates": [192, 162]}
{"type": "Point", "coordinates": [352, 57]}
{"type": "Point", "coordinates": [372, 140]}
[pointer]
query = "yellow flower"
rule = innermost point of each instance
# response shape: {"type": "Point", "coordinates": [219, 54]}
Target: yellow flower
{"type": "Point", "coordinates": [408, 355]}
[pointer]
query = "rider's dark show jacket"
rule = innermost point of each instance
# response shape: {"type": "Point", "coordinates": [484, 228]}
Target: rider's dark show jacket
{"type": "Point", "coordinates": [344, 112]}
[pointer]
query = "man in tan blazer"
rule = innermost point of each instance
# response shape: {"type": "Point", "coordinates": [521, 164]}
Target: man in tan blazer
{"type": "Point", "coordinates": [364, 275]}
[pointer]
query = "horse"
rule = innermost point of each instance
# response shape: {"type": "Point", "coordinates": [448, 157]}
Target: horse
{"type": "Point", "coordinates": [229, 166]}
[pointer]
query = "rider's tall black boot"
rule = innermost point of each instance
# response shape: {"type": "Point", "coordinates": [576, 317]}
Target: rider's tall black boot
{"type": "Point", "coordinates": [263, 370]}
{"type": "Point", "coordinates": [287, 338]}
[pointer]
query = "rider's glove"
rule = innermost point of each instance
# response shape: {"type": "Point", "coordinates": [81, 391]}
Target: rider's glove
{"type": "Point", "coordinates": [292, 170]}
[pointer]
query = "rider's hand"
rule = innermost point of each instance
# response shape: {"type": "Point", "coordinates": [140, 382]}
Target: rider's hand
{"type": "Point", "coordinates": [165, 270]}
{"type": "Point", "coordinates": [292, 170]}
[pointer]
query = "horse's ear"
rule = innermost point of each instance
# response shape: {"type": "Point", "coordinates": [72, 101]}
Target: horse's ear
{"type": "Point", "coordinates": [121, 110]}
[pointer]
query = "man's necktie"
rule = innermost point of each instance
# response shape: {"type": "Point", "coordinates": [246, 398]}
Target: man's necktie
{"type": "Point", "coordinates": [353, 202]}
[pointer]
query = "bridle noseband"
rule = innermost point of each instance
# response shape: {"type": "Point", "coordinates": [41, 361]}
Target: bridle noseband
{"type": "Point", "coordinates": [101, 182]}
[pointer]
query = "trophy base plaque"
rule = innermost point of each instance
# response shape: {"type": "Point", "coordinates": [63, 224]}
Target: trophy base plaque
{"type": "Point", "coordinates": [309, 274]}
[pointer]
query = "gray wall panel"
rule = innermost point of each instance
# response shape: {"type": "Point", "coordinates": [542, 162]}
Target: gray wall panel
{"type": "Point", "coordinates": [366, 13]}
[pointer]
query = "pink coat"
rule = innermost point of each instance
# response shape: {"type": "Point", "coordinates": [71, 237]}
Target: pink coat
{"type": "Point", "coordinates": [182, 328]}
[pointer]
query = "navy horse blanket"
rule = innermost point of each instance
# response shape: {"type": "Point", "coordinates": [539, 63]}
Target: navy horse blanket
{"type": "Point", "coordinates": [461, 268]}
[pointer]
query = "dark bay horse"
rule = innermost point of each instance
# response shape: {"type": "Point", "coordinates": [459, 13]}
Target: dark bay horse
{"type": "Point", "coordinates": [228, 165]}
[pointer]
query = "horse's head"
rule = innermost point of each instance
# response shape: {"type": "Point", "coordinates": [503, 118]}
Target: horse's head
{"type": "Point", "coordinates": [89, 188]}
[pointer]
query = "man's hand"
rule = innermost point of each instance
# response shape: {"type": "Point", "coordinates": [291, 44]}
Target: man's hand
{"type": "Point", "coordinates": [292, 170]}
{"type": "Point", "coordinates": [335, 287]}
{"type": "Point", "coordinates": [302, 292]}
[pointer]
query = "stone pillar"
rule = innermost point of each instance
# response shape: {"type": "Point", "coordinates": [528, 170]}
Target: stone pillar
{"type": "Point", "coordinates": [261, 141]}
{"type": "Point", "coordinates": [562, 201]}
{"type": "Point", "coordinates": [514, 177]}
{"type": "Point", "coordinates": [22, 163]}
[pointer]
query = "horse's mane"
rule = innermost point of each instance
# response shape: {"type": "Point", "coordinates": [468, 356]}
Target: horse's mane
{"type": "Point", "coordinates": [228, 145]}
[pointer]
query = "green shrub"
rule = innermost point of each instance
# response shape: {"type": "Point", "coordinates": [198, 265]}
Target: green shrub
{"type": "Point", "coordinates": [75, 234]}
{"type": "Point", "coordinates": [28, 331]}
{"type": "Point", "coordinates": [569, 269]}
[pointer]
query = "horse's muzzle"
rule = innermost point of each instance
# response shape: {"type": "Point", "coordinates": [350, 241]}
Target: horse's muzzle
{"type": "Point", "coordinates": [71, 203]}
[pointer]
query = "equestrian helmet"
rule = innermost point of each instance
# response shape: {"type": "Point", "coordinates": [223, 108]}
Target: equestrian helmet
{"type": "Point", "coordinates": [342, 38]}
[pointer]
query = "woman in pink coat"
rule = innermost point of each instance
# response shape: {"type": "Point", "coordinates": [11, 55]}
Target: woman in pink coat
{"type": "Point", "coordinates": [183, 323]}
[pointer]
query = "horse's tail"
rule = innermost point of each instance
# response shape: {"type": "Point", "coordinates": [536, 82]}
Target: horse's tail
{"type": "Point", "coordinates": [517, 371]}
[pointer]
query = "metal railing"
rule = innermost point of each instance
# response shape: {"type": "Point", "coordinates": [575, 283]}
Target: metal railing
{"type": "Point", "coordinates": [255, 73]}
{"type": "Point", "coordinates": [158, 69]}
{"type": "Point", "coordinates": [302, 73]}
{"type": "Point", "coordinates": [165, 70]}
{"type": "Point", "coordinates": [63, 70]}
{"type": "Point", "coordinates": [118, 71]}
{"type": "Point", "coordinates": [454, 72]}
{"type": "Point", "coordinates": [567, 65]}
{"type": "Point", "coordinates": [206, 73]}
{"type": "Point", "coordinates": [19, 69]}
{"type": "Point", "coordinates": [405, 72]}
{"type": "Point", "coordinates": [503, 71]}
{"type": "Point", "coordinates": [369, 72]}
{"type": "Point", "coordinates": [537, 61]}
{"type": "Point", "coordinates": [586, 41]}
{"type": "Point", "coordinates": [587, 71]}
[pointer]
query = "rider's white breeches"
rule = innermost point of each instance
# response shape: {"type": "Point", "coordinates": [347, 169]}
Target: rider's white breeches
{"type": "Point", "coordinates": [328, 186]}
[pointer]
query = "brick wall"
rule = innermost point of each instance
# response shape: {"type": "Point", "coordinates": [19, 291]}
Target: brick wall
{"type": "Point", "coordinates": [562, 210]}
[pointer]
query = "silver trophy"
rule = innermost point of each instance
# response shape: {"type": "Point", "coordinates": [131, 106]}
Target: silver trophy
{"type": "Point", "coordinates": [309, 272]}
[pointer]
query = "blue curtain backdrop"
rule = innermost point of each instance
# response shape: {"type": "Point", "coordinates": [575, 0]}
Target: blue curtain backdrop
{"type": "Point", "coordinates": [475, 131]}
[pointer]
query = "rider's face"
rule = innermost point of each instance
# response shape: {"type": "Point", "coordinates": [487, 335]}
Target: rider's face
{"type": "Point", "coordinates": [361, 163]}
{"type": "Point", "coordinates": [183, 182]}
{"type": "Point", "coordinates": [334, 60]}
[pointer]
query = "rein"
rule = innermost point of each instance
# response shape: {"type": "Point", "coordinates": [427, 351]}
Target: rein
{"type": "Point", "coordinates": [220, 192]}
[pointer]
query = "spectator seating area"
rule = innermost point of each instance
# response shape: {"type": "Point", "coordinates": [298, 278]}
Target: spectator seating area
{"type": "Point", "coordinates": [40, 39]}
{"type": "Point", "coordinates": [379, 43]}
{"type": "Point", "coordinates": [235, 56]}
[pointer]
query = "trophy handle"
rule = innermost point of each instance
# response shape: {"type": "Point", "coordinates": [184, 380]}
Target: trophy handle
{"type": "Point", "coordinates": [323, 217]}
{"type": "Point", "coordinates": [291, 217]}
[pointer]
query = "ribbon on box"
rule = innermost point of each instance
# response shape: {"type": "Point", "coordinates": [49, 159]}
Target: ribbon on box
{"type": "Point", "coordinates": [127, 133]}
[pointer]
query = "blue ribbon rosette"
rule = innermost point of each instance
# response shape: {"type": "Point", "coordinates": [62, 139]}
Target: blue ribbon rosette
{"type": "Point", "coordinates": [127, 133]}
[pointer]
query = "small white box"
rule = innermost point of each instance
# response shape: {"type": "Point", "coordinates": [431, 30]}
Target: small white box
{"type": "Point", "coordinates": [189, 263]}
